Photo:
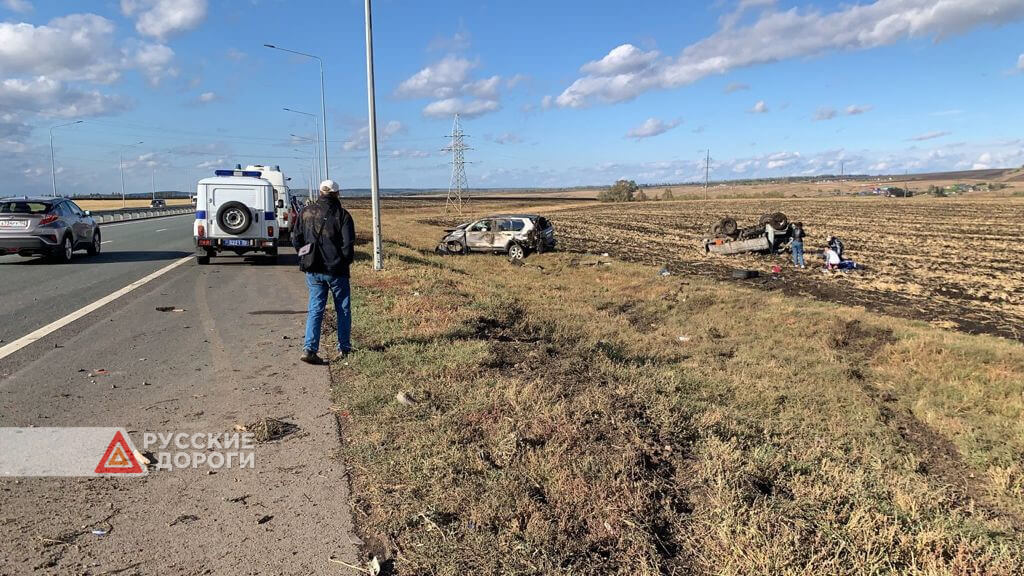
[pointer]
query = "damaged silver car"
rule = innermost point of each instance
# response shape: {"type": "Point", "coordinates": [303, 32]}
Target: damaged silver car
{"type": "Point", "coordinates": [512, 234]}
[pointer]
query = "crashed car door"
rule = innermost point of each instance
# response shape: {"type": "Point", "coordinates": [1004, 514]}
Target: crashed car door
{"type": "Point", "coordinates": [480, 235]}
{"type": "Point", "coordinates": [504, 233]}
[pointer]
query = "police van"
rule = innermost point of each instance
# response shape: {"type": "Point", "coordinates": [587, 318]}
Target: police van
{"type": "Point", "coordinates": [282, 206]}
{"type": "Point", "coordinates": [235, 212]}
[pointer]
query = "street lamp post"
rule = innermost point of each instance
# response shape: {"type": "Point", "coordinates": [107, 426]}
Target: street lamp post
{"type": "Point", "coordinates": [53, 165]}
{"type": "Point", "coordinates": [316, 126]}
{"type": "Point", "coordinates": [312, 164]}
{"type": "Point", "coordinates": [120, 163]}
{"type": "Point", "coordinates": [374, 180]}
{"type": "Point", "coordinates": [323, 101]}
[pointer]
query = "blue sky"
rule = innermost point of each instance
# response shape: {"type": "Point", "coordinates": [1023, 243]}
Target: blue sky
{"type": "Point", "coordinates": [551, 93]}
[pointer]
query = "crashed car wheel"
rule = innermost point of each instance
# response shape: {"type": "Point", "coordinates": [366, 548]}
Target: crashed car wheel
{"type": "Point", "coordinates": [455, 247]}
{"type": "Point", "coordinates": [516, 252]}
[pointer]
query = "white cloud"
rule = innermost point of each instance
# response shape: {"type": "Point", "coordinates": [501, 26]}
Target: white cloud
{"type": "Point", "coordinates": [153, 60]}
{"type": "Point", "coordinates": [516, 80]}
{"type": "Point", "coordinates": [19, 6]}
{"type": "Point", "coordinates": [855, 110]}
{"type": "Point", "coordinates": [448, 83]}
{"type": "Point", "coordinates": [736, 87]}
{"type": "Point", "coordinates": [506, 138]}
{"type": "Point", "coordinates": [624, 59]}
{"type": "Point", "coordinates": [759, 108]}
{"type": "Point", "coordinates": [73, 47]}
{"type": "Point", "coordinates": [824, 113]}
{"type": "Point", "coordinates": [929, 136]}
{"type": "Point", "coordinates": [207, 97]}
{"type": "Point", "coordinates": [235, 54]}
{"type": "Point", "coordinates": [162, 19]}
{"type": "Point", "coordinates": [652, 127]}
{"type": "Point", "coordinates": [439, 80]}
{"type": "Point", "coordinates": [1020, 62]}
{"type": "Point", "coordinates": [775, 35]}
{"type": "Point", "coordinates": [361, 139]}
{"type": "Point", "coordinates": [53, 98]}
{"type": "Point", "coordinates": [467, 108]}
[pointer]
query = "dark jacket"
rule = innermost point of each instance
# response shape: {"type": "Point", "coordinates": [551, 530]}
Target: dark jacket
{"type": "Point", "coordinates": [335, 249]}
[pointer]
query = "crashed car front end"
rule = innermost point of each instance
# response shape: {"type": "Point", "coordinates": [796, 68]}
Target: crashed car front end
{"type": "Point", "coordinates": [454, 241]}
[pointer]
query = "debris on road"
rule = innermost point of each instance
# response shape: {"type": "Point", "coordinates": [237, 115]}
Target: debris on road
{"type": "Point", "coordinates": [99, 372]}
{"type": "Point", "coordinates": [268, 429]}
{"type": "Point", "coordinates": [169, 309]}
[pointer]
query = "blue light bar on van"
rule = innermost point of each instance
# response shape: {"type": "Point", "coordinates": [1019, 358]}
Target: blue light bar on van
{"type": "Point", "coordinates": [249, 173]}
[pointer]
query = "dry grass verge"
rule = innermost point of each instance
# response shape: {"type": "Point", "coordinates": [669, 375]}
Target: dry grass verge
{"type": "Point", "coordinates": [574, 419]}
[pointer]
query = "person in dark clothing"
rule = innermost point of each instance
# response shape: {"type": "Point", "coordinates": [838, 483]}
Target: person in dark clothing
{"type": "Point", "coordinates": [324, 237]}
{"type": "Point", "coordinates": [796, 245]}
{"type": "Point", "coordinates": [837, 246]}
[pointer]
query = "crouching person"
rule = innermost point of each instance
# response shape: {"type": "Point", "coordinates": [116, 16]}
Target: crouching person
{"type": "Point", "coordinates": [324, 238]}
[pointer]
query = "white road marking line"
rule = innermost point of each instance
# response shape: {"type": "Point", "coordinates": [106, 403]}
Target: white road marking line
{"type": "Point", "coordinates": [162, 230]}
{"type": "Point", "coordinates": [58, 324]}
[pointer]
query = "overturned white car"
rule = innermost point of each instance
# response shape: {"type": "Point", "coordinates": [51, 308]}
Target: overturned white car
{"type": "Point", "coordinates": [512, 234]}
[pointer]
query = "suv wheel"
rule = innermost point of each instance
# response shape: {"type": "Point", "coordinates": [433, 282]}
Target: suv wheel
{"type": "Point", "coordinates": [94, 248]}
{"type": "Point", "coordinates": [202, 260]}
{"type": "Point", "coordinates": [234, 217]}
{"type": "Point", "coordinates": [516, 252]}
{"type": "Point", "coordinates": [64, 252]}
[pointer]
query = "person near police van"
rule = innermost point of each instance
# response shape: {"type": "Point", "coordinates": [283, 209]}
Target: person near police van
{"type": "Point", "coordinates": [324, 237]}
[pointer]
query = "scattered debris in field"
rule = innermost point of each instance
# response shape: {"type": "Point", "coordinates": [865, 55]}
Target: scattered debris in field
{"type": "Point", "coordinates": [99, 372]}
{"type": "Point", "coordinates": [744, 274]}
{"type": "Point", "coordinates": [184, 519]}
{"type": "Point", "coordinates": [405, 398]}
{"type": "Point", "coordinates": [684, 338]}
{"type": "Point", "coordinates": [265, 519]}
{"type": "Point", "coordinates": [268, 429]}
{"type": "Point", "coordinates": [100, 532]}
{"type": "Point", "coordinates": [664, 271]}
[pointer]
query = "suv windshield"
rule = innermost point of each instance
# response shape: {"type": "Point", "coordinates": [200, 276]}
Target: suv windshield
{"type": "Point", "coordinates": [23, 207]}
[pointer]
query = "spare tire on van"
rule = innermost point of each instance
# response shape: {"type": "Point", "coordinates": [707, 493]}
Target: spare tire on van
{"type": "Point", "coordinates": [234, 217]}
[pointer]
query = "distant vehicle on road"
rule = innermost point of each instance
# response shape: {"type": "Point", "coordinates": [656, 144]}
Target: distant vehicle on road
{"type": "Point", "coordinates": [54, 227]}
{"type": "Point", "coordinates": [157, 203]}
{"type": "Point", "coordinates": [235, 213]}
{"type": "Point", "coordinates": [282, 194]}
{"type": "Point", "coordinates": [512, 234]}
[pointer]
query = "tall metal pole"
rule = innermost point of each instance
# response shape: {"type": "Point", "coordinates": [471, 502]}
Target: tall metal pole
{"type": "Point", "coordinates": [707, 170]}
{"type": "Point", "coordinates": [323, 114]}
{"type": "Point", "coordinates": [53, 168]}
{"type": "Point", "coordinates": [121, 166]}
{"type": "Point", "coordinates": [374, 181]}
{"type": "Point", "coordinates": [323, 99]}
{"type": "Point", "coordinates": [316, 127]}
{"type": "Point", "coordinates": [154, 183]}
{"type": "Point", "coordinates": [53, 165]}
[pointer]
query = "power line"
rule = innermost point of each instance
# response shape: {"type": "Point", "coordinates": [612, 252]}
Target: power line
{"type": "Point", "coordinates": [458, 185]}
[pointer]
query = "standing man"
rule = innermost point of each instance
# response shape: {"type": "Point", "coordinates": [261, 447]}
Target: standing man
{"type": "Point", "coordinates": [324, 238]}
{"type": "Point", "coordinates": [796, 245]}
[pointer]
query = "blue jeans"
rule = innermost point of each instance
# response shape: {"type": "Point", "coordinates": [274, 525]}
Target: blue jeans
{"type": "Point", "coordinates": [798, 253]}
{"type": "Point", "coordinates": [318, 285]}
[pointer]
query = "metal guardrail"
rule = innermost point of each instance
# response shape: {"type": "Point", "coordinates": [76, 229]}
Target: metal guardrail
{"type": "Point", "coordinates": [108, 216]}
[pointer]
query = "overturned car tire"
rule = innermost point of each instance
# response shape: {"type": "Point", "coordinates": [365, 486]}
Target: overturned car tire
{"type": "Point", "coordinates": [744, 274]}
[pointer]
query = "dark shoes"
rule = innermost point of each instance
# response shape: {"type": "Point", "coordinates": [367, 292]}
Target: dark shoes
{"type": "Point", "coordinates": [311, 358]}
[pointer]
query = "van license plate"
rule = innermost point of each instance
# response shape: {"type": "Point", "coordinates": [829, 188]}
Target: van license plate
{"type": "Point", "coordinates": [231, 242]}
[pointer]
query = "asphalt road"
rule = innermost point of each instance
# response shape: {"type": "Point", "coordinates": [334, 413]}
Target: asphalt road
{"type": "Point", "coordinates": [37, 292]}
{"type": "Point", "coordinates": [228, 357]}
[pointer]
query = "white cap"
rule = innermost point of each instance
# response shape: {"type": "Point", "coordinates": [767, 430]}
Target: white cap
{"type": "Point", "coordinates": [329, 187]}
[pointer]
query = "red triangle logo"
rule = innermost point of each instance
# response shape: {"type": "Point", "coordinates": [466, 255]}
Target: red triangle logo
{"type": "Point", "coordinates": [118, 459]}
